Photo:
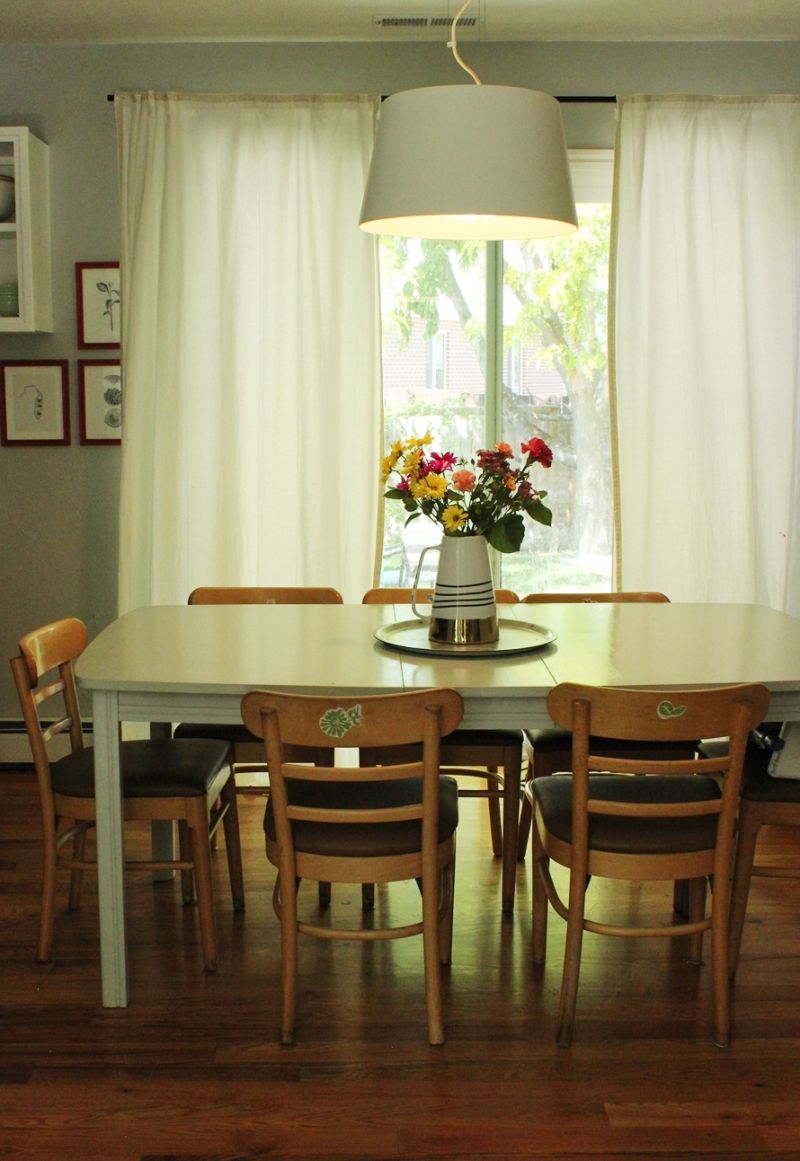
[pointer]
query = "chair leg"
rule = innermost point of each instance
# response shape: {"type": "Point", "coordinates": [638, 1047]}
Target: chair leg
{"type": "Point", "coordinates": [539, 902]}
{"type": "Point", "coordinates": [720, 915]}
{"type": "Point", "coordinates": [324, 894]}
{"type": "Point", "coordinates": [524, 829]}
{"type": "Point", "coordinates": [512, 776]}
{"type": "Point", "coordinates": [201, 857]}
{"type": "Point", "coordinates": [749, 826]}
{"type": "Point", "coordinates": [433, 971]}
{"type": "Point", "coordinates": [186, 856]}
{"type": "Point", "coordinates": [695, 911]}
{"type": "Point", "coordinates": [495, 826]}
{"type": "Point", "coordinates": [288, 914]}
{"type": "Point", "coordinates": [572, 957]}
{"type": "Point", "coordinates": [367, 896]}
{"type": "Point", "coordinates": [446, 906]}
{"type": "Point", "coordinates": [46, 915]}
{"type": "Point", "coordinates": [76, 876]}
{"type": "Point", "coordinates": [680, 897]}
{"type": "Point", "coordinates": [233, 844]}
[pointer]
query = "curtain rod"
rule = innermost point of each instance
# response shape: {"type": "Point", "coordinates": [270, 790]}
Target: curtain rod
{"type": "Point", "coordinates": [603, 100]}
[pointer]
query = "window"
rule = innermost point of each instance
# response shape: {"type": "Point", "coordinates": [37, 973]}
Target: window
{"type": "Point", "coordinates": [489, 341]}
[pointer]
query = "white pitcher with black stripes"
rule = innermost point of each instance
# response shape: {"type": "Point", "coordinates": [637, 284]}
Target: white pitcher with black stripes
{"type": "Point", "coordinates": [463, 610]}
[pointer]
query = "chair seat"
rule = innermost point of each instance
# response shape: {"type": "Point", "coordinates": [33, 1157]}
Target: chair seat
{"type": "Point", "coordinates": [365, 840]}
{"type": "Point", "coordinates": [239, 735]}
{"type": "Point", "coordinates": [554, 741]}
{"type": "Point", "coordinates": [478, 738]}
{"type": "Point", "coordinates": [232, 732]}
{"type": "Point", "coordinates": [629, 835]}
{"type": "Point", "coordinates": [150, 769]}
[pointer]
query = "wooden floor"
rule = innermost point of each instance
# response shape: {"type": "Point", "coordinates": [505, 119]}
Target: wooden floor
{"type": "Point", "coordinates": [193, 1071]}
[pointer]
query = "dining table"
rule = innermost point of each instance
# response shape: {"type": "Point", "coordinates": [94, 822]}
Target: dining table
{"type": "Point", "coordinates": [193, 663]}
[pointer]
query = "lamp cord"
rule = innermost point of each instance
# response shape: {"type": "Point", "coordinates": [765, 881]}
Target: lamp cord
{"type": "Point", "coordinates": [453, 44]}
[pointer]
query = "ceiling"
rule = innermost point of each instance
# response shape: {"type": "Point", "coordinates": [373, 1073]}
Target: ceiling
{"type": "Point", "coordinates": [115, 21]}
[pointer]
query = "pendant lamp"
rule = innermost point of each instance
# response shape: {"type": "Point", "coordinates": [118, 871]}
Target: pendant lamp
{"type": "Point", "coordinates": [469, 161]}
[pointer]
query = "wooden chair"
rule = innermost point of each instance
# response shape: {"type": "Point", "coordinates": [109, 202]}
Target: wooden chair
{"type": "Point", "coordinates": [675, 822]}
{"type": "Point", "coordinates": [765, 801]}
{"type": "Point", "coordinates": [548, 751]}
{"type": "Point", "coordinates": [189, 782]}
{"type": "Point", "coordinates": [363, 825]}
{"type": "Point", "coordinates": [270, 595]}
{"type": "Point", "coordinates": [470, 754]}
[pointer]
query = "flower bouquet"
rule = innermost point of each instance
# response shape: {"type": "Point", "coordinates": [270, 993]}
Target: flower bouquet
{"type": "Point", "coordinates": [485, 496]}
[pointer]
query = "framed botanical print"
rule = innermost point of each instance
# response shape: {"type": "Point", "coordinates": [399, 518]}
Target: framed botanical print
{"type": "Point", "coordinates": [100, 400]}
{"type": "Point", "coordinates": [97, 289]}
{"type": "Point", "coordinates": [35, 403]}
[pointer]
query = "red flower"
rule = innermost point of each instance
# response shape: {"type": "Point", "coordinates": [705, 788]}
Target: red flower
{"type": "Point", "coordinates": [538, 451]}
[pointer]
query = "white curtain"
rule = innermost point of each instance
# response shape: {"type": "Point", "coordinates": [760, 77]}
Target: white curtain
{"type": "Point", "coordinates": [706, 347]}
{"type": "Point", "coordinates": [251, 343]}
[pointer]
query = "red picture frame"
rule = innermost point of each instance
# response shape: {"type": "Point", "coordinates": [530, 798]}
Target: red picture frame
{"type": "Point", "coordinates": [97, 294]}
{"type": "Point", "coordinates": [100, 401]}
{"type": "Point", "coordinates": [35, 403]}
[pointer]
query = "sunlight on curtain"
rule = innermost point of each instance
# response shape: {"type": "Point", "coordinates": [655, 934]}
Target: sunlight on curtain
{"type": "Point", "coordinates": [706, 265]}
{"type": "Point", "coordinates": [251, 344]}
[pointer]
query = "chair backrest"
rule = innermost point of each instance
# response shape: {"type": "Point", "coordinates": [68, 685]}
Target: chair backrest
{"type": "Point", "coordinates": [51, 649]}
{"type": "Point", "coordinates": [592, 712]}
{"type": "Point", "coordinates": [359, 722]}
{"type": "Point", "coordinates": [398, 595]}
{"type": "Point", "coordinates": [593, 598]}
{"type": "Point", "coordinates": [269, 595]}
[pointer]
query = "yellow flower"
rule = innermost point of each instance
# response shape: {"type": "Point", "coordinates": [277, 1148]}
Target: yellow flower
{"type": "Point", "coordinates": [390, 459]}
{"type": "Point", "coordinates": [453, 518]}
{"type": "Point", "coordinates": [411, 462]}
{"type": "Point", "coordinates": [430, 487]}
{"type": "Point", "coordinates": [417, 441]}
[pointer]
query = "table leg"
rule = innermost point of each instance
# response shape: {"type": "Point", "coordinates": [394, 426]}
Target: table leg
{"type": "Point", "coordinates": [110, 852]}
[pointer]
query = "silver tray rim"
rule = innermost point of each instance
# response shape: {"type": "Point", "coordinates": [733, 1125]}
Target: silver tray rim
{"type": "Point", "coordinates": [392, 635]}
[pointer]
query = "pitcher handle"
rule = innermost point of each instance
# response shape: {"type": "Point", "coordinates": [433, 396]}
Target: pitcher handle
{"type": "Point", "coordinates": [415, 585]}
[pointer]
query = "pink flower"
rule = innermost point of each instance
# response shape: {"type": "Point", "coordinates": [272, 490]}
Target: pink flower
{"type": "Point", "coordinates": [441, 462]}
{"type": "Point", "coordinates": [539, 452]}
{"type": "Point", "coordinates": [464, 480]}
{"type": "Point", "coordinates": [402, 484]}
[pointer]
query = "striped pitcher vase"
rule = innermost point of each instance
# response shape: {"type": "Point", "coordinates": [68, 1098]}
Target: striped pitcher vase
{"type": "Point", "coordinates": [463, 611]}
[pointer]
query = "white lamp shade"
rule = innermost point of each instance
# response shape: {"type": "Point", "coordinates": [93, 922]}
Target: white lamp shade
{"type": "Point", "coordinates": [469, 161]}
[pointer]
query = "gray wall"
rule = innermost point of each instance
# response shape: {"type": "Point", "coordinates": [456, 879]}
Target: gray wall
{"type": "Point", "coordinates": [58, 506]}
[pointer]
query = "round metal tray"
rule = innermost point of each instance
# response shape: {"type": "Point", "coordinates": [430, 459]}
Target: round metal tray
{"type": "Point", "coordinates": [515, 637]}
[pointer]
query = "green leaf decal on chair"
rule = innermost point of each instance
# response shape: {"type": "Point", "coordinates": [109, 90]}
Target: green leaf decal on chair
{"type": "Point", "coordinates": [335, 723]}
{"type": "Point", "coordinates": [667, 710]}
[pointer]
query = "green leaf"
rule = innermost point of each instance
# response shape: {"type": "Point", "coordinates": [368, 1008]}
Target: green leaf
{"type": "Point", "coordinates": [507, 534]}
{"type": "Point", "coordinates": [539, 512]}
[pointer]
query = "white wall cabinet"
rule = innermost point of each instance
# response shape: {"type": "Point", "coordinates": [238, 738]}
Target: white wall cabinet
{"type": "Point", "coordinates": [25, 235]}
